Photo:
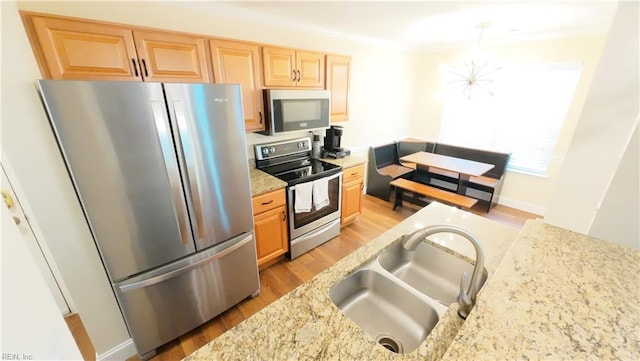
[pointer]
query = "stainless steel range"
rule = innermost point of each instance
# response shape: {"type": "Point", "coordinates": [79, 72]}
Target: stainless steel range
{"type": "Point", "coordinates": [314, 191]}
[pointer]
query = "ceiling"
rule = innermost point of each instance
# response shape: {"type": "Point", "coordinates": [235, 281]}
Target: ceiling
{"type": "Point", "coordinates": [427, 25]}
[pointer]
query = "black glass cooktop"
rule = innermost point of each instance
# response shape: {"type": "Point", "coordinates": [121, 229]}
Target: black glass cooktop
{"type": "Point", "coordinates": [302, 170]}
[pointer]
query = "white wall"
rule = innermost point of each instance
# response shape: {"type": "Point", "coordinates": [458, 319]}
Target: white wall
{"type": "Point", "coordinates": [606, 123]}
{"type": "Point", "coordinates": [32, 327]}
{"type": "Point", "coordinates": [28, 143]}
{"type": "Point", "coordinates": [380, 103]}
{"type": "Point", "coordinates": [523, 191]}
{"type": "Point", "coordinates": [618, 218]}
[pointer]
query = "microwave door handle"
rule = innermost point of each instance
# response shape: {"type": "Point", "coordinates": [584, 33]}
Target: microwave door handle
{"type": "Point", "coordinates": [190, 159]}
{"type": "Point", "coordinates": [158, 111]}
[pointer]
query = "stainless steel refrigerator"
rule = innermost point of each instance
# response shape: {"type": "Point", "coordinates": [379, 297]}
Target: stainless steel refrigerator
{"type": "Point", "coordinates": [161, 173]}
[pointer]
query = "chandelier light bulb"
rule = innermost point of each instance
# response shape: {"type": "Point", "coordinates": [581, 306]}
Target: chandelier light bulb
{"type": "Point", "coordinates": [478, 70]}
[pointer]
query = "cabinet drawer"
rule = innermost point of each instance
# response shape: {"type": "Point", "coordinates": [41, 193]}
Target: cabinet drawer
{"type": "Point", "coordinates": [267, 201]}
{"type": "Point", "coordinates": [353, 173]}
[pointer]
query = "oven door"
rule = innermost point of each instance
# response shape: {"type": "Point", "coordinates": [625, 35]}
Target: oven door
{"type": "Point", "coordinates": [304, 222]}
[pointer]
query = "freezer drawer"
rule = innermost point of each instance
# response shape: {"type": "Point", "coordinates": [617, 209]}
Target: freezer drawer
{"type": "Point", "coordinates": [168, 304]}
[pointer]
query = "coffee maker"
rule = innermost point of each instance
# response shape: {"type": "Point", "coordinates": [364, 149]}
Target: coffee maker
{"type": "Point", "coordinates": [332, 148]}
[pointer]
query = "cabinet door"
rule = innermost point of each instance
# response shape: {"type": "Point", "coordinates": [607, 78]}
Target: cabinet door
{"type": "Point", "coordinates": [78, 50]}
{"type": "Point", "coordinates": [169, 57]}
{"type": "Point", "coordinates": [270, 229]}
{"type": "Point", "coordinates": [338, 68]}
{"type": "Point", "coordinates": [279, 66]}
{"type": "Point", "coordinates": [239, 63]}
{"type": "Point", "coordinates": [310, 68]}
{"type": "Point", "coordinates": [351, 201]}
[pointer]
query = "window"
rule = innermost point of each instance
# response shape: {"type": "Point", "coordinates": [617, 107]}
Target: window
{"type": "Point", "coordinates": [523, 117]}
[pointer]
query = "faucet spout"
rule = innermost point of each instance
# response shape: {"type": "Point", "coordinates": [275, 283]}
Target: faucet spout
{"type": "Point", "coordinates": [466, 298]}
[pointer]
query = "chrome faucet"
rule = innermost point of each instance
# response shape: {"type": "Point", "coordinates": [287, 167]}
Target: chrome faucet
{"type": "Point", "coordinates": [466, 299]}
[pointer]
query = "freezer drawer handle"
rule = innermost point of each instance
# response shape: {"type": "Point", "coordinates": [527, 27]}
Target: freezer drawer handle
{"type": "Point", "coordinates": [185, 269]}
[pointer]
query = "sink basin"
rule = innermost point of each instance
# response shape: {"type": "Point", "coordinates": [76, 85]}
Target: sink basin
{"type": "Point", "coordinates": [430, 270]}
{"type": "Point", "coordinates": [387, 311]}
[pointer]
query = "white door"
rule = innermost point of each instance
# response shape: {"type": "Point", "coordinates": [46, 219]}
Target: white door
{"type": "Point", "coordinates": [32, 327]}
{"type": "Point", "coordinates": [28, 238]}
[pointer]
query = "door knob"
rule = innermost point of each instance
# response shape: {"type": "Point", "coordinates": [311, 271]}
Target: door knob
{"type": "Point", "coordinates": [6, 197]}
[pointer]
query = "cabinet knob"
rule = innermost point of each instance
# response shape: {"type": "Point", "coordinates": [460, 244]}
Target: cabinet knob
{"type": "Point", "coordinates": [6, 197]}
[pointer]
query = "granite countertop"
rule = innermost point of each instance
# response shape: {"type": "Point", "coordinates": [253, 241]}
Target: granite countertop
{"type": "Point", "coordinates": [346, 162]}
{"type": "Point", "coordinates": [262, 182]}
{"type": "Point", "coordinates": [551, 294]}
{"type": "Point", "coordinates": [557, 295]}
{"type": "Point", "coordinates": [305, 324]}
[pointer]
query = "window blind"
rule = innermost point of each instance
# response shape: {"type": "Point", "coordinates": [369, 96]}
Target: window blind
{"type": "Point", "coordinates": [523, 117]}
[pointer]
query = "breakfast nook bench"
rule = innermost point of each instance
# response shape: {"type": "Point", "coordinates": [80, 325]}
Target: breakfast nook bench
{"type": "Point", "coordinates": [454, 199]}
{"type": "Point", "coordinates": [384, 166]}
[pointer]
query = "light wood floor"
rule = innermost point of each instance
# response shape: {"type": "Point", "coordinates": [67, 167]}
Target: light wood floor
{"type": "Point", "coordinates": [285, 275]}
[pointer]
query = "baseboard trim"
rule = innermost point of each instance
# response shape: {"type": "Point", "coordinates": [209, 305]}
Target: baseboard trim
{"type": "Point", "coordinates": [523, 206]}
{"type": "Point", "coordinates": [121, 352]}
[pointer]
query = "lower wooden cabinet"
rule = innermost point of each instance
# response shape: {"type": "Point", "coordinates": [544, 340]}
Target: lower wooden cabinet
{"type": "Point", "coordinates": [352, 186]}
{"type": "Point", "coordinates": [270, 226]}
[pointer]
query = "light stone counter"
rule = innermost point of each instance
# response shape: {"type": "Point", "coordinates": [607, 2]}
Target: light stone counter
{"type": "Point", "coordinates": [262, 182]}
{"type": "Point", "coordinates": [557, 295]}
{"type": "Point", "coordinates": [346, 162]}
{"type": "Point", "coordinates": [305, 324]}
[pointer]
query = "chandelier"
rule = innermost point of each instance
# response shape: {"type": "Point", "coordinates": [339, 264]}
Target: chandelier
{"type": "Point", "coordinates": [477, 73]}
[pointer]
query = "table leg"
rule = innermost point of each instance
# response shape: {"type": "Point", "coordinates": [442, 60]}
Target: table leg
{"type": "Point", "coordinates": [463, 180]}
{"type": "Point", "coordinates": [397, 202]}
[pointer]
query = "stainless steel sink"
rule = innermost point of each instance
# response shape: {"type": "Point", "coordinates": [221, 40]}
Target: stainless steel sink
{"type": "Point", "coordinates": [393, 314]}
{"type": "Point", "coordinates": [430, 270]}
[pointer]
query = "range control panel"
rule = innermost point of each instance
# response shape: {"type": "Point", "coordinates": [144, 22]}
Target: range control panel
{"type": "Point", "coordinates": [283, 148]}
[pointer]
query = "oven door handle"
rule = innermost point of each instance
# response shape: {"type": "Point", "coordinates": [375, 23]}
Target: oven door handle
{"type": "Point", "coordinates": [327, 178]}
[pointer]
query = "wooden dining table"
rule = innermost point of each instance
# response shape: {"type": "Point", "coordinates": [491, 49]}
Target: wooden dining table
{"type": "Point", "coordinates": [464, 167]}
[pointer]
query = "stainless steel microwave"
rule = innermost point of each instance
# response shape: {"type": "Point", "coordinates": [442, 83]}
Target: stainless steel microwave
{"type": "Point", "coordinates": [290, 110]}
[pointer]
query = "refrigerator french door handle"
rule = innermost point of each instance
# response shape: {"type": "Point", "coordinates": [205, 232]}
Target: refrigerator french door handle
{"type": "Point", "coordinates": [190, 159]}
{"type": "Point", "coordinates": [164, 135]}
{"type": "Point", "coordinates": [182, 270]}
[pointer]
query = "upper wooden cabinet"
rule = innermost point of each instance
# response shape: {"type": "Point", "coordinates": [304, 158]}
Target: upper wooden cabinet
{"type": "Point", "coordinates": [338, 70]}
{"type": "Point", "coordinates": [84, 50]}
{"type": "Point", "coordinates": [292, 68]}
{"type": "Point", "coordinates": [170, 57]}
{"type": "Point", "coordinates": [239, 63]}
{"type": "Point", "coordinates": [68, 49]}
